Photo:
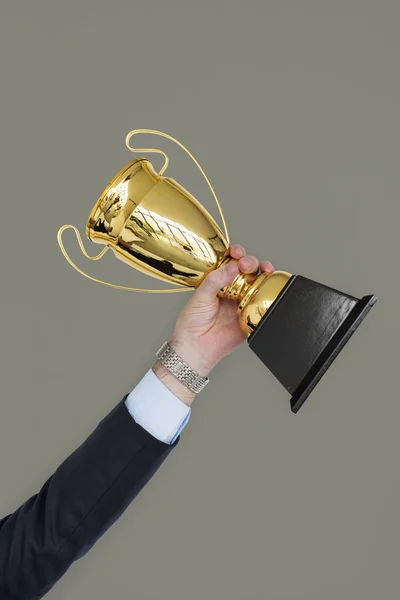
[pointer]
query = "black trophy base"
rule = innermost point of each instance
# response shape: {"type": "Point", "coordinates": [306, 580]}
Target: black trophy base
{"type": "Point", "coordinates": [303, 332]}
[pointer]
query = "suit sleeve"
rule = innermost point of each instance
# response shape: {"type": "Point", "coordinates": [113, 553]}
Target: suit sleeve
{"type": "Point", "coordinates": [87, 493]}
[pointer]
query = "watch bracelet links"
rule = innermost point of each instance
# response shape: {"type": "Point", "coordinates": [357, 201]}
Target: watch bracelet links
{"type": "Point", "coordinates": [180, 369]}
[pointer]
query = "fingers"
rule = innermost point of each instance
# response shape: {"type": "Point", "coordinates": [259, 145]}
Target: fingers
{"type": "Point", "coordinates": [248, 264]}
{"type": "Point", "coordinates": [237, 251]}
{"type": "Point", "coordinates": [266, 267]}
{"type": "Point", "coordinates": [216, 280]}
{"type": "Point", "coordinates": [221, 277]}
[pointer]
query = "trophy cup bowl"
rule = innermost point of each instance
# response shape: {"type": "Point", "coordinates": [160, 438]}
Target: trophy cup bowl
{"type": "Point", "coordinates": [153, 224]}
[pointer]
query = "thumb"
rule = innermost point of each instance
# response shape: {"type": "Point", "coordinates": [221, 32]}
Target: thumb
{"type": "Point", "coordinates": [215, 281]}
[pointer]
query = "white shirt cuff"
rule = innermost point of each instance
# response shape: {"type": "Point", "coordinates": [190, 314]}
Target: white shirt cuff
{"type": "Point", "coordinates": [155, 408]}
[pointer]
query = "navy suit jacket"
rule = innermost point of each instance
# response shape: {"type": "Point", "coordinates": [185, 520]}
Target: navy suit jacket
{"type": "Point", "coordinates": [76, 505]}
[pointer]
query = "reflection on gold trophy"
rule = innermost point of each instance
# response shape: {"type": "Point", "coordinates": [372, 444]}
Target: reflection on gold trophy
{"type": "Point", "coordinates": [154, 225]}
{"type": "Point", "coordinates": [296, 326]}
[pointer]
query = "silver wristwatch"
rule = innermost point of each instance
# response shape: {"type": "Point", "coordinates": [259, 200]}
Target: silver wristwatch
{"type": "Point", "coordinates": [181, 370]}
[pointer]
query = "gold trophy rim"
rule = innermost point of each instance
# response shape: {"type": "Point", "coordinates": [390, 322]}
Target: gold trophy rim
{"type": "Point", "coordinates": [120, 175]}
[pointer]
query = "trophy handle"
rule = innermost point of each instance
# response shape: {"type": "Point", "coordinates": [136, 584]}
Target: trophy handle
{"type": "Point", "coordinates": [102, 253]}
{"type": "Point", "coordinates": [166, 162]}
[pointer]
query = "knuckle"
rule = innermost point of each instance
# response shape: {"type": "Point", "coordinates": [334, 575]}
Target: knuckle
{"type": "Point", "coordinates": [213, 277]}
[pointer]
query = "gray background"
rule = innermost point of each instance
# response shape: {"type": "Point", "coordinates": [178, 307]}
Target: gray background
{"type": "Point", "coordinates": [292, 108]}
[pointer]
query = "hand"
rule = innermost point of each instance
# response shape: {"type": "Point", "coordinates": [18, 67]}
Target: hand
{"type": "Point", "coordinates": [207, 328]}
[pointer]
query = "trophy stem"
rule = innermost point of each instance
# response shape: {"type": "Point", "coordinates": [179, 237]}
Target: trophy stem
{"type": "Point", "coordinates": [254, 294]}
{"type": "Point", "coordinates": [240, 286]}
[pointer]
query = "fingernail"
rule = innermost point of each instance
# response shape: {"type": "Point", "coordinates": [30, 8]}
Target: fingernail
{"type": "Point", "coordinates": [238, 248]}
{"type": "Point", "coordinates": [245, 263]}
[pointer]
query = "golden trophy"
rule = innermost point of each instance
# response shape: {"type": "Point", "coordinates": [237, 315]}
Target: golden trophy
{"type": "Point", "coordinates": [295, 325]}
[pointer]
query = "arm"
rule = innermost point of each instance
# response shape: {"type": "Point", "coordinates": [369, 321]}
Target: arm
{"type": "Point", "coordinates": [91, 489]}
{"type": "Point", "coordinates": [76, 505]}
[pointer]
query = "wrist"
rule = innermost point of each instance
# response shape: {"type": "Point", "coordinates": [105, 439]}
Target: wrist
{"type": "Point", "coordinates": [186, 350]}
{"type": "Point", "coordinates": [173, 384]}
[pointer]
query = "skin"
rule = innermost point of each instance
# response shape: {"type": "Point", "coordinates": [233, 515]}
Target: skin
{"type": "Point", "coordinates": [207, 328]}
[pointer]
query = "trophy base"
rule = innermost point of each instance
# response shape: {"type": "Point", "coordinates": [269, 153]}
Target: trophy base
{"type": "Point", "coordinates": [303, 332]}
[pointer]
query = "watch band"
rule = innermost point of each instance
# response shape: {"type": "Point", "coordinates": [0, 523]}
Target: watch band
{"type": "Point", "coordinates": [181, 370]}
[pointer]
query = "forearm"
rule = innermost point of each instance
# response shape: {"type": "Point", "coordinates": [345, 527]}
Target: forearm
{"type": "Point", "coordinates": [81, 500]}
